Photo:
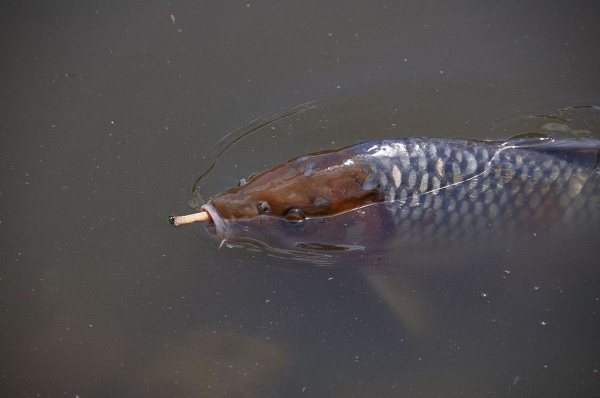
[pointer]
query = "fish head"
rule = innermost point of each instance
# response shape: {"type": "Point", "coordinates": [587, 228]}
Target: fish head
{"type": "Point", "coordinates": [315, 186]}
{"type": "Point", "coordinates": [320, 184]}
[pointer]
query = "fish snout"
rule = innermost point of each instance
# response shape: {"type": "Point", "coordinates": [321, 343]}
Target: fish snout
{"type": "Point", "coordinates": [233, 206]}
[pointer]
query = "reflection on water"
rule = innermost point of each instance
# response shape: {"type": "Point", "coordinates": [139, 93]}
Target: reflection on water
{"type": "Point", "coordinates": [211, 363]}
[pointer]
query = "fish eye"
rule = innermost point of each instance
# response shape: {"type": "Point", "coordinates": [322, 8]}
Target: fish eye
{"type": "Point", "coordinates": [294, 216]}
{"type": "Point", "coordinates": [263, 206]}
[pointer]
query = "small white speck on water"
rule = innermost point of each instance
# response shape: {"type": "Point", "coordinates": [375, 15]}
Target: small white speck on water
{"type": "Point", "coordinates": [506, 271]}
{"type": "Point", "coordinates": [542, 323]}
{"type": "Point", "coordinates": [329, 279]}
{"type": "Point", "coordinates": [536, 288]}
{"type": "Point", "coordinates": [484, 295]}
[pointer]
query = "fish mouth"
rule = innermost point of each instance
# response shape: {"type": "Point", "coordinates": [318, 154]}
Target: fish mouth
{"type": "Point", "coordinates": [217, 226]}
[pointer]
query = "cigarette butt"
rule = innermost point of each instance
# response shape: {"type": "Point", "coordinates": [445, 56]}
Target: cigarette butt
{"type": "Point", "coordinates": [189, 218]}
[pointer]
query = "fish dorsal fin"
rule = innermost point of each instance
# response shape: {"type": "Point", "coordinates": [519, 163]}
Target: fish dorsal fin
{"type": "Point", "coordinates": [584, 151]}
{"type": "Point", "coordinates": [528, 135]}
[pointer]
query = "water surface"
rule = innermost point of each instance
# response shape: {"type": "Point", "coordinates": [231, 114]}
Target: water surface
{"type": "Point", "coordinates": [107, 114]}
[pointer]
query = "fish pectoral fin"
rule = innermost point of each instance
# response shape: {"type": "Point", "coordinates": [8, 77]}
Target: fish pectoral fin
{"type": "Point", "coordinates": [408, 307]}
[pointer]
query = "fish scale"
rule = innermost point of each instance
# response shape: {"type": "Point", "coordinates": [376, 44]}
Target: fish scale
{"type": "Point", "coordinates": [419, 165]}
{"type": "Point", "coordinates": [471, 186]}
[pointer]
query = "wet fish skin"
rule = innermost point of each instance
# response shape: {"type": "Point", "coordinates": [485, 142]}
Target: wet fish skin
{"type": "Point", "coordinates": [437, 189]}
{"type": "Point", "coordinates": [419, 189]}
{"type": "Point", "coordinates": [403, 168]}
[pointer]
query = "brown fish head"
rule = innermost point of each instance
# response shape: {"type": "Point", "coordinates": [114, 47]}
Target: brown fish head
{"type": "Point", "coordinates": [316, 185]}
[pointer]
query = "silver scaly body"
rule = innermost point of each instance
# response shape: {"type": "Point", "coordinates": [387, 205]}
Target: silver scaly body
{"type": "Point", "coordinates": [446, 188]}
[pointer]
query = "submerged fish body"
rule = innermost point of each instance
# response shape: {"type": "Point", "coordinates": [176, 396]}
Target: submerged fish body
{"type": "Point", "coordinates": [412, 191]}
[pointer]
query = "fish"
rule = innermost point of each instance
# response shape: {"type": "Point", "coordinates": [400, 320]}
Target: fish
{"type": "Point", "coordinates": [411, 192]}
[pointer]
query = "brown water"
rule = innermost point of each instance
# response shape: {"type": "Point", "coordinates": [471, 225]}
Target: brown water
{"type": "Point", "coordinates": [107, 114]}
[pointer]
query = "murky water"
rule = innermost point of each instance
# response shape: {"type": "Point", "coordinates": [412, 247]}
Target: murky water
{"type": "Point", "coordinates": [108, 115]}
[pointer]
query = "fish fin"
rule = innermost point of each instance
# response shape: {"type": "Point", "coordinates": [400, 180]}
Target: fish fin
{"type": "Point", "coordinates": [408, 307]}
{"type": "Point", "coordinates": [547, 144]}
{"type": "Point", "coordinates": [528, 135]}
